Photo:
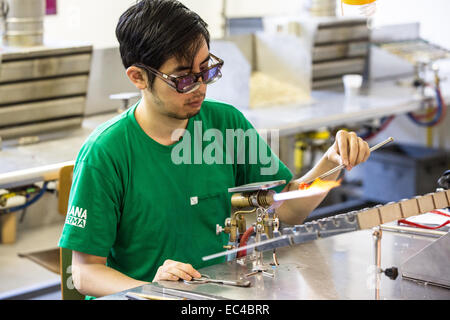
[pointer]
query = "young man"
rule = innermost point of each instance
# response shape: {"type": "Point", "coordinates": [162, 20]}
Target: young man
{"type": "Point", "coordinates": [147, 191]}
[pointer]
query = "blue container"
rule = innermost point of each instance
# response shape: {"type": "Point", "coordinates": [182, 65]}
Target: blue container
{"type": "Point", "coordinates": [402, 171]}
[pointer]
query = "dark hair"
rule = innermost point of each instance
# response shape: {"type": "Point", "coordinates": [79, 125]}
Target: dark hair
{"type": "Point", "coordinates": [153, 31]}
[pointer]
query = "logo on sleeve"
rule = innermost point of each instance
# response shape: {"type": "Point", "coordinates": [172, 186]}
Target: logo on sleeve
{"type": "Point", "coordinates": [77, 217]}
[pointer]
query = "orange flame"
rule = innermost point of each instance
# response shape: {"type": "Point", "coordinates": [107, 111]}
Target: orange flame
{"type": "Point", "coordinates": [320, 184]}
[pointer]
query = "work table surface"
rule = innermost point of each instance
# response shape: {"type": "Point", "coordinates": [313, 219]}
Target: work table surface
{"type": "Point", "coordinates": [335, 268]}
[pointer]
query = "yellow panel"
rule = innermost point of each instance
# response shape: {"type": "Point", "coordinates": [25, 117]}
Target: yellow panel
{"type": "Point", "coordinates": [409, 208]}
{"type": "Point", "coordinates": [369, 218]}
{"type": "Point", "coordinates": [390, 212]}
{"type": "Point", "coordinates": [426, 203]}
{"type": "Point", "coordinates": [440, 200]}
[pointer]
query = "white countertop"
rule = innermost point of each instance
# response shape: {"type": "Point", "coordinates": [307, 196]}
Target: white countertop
{"type": "Point", "coordinates": [332, 108]}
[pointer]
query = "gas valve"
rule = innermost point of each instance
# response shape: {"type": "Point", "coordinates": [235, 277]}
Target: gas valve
{"type": "Point", "coordinates": [444, 181]}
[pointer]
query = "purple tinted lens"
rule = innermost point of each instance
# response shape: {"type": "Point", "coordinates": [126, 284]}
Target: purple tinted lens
{"type": "Point", "coordinates": [210, 74]}
{"type": "Point", "coordinates": [185, 82]}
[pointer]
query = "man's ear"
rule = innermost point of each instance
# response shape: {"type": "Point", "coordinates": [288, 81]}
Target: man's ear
{"type": "Point", "coordinates": [138, 77]}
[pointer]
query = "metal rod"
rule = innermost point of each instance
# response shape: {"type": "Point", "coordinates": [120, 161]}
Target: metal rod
{"type": "Point", "coordinates": [342, 166]}
{"type": "Point", "coordinates": [377, 234]}
{"type": "Point", "coordinates": [413, 230]}
{"type": "Point", "coordinates": [249, 246]}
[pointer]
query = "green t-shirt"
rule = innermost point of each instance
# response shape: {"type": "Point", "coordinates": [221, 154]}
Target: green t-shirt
{"type": "Point", "coordinates": [138, 202]}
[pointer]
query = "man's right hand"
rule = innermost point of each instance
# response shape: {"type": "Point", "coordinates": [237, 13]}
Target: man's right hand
{"type": "Point", "coordinates": [174, 271]}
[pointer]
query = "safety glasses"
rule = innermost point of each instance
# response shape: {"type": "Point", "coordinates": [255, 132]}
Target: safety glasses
{"type": "Point", "coordinates": [190, 82]}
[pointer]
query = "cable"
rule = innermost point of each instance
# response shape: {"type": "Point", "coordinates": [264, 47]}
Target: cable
{"type": "Point", "coordinates": [27, 204]}
{"type": "Point", "coordinates": [372, 133]}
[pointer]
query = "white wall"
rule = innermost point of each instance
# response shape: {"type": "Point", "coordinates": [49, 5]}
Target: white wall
{"type": "Point", "coordinates": [433, 15]}
{"type": "Point", "coordinates": [95, 21]}
{"type": "Point", "coordinates": [255, 8]}
{"type": "Point", "coordinates": [86, 20]}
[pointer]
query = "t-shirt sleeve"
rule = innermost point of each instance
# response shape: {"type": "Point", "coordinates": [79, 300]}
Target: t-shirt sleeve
{"type": "Point", "coordinates": [256, 160]}
{"type": "Point", "coordinates": [93, 212]}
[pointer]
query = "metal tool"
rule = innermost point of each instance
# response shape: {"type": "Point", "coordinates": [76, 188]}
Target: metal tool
{"type": "Point", "coordinates": [257, 196]}
{"type": "Point", "coordinates": [444, 180]}
{"type": "Point", "coordinates": [342, 166]}
{"type": "Point", "coordinates": [207, 279]}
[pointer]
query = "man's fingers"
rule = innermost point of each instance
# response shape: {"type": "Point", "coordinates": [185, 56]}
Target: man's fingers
{"type": "Point", "coordinates": [173, 270]}
{"type": "Point", "coordinates": [353, 150]}
{"type": "Point", "coordinates": [161, 274]}
{"type": "Point", "coordinates": [361, 152]}
{"type": "Point", "coordinates": [172, 274]}
{"type": "Point", "coordinates": [349, 149]}
{"type": "Point", "coordinates": [183, 271]}
{"type": "Point", "coordinates": [179, 273]}
{"type": "Point", "coordinates": [343, 147]}
{"type": "Point", "coordinates": [168, 262]}
{"type": "Point", "coordinates": [187, 268]}
{"type": "Point", "coordinates": [368, 152]}
{"type": "Point", "coordinates": [168, 276]}
{"type": "Point", "coordinates": [364, 151]}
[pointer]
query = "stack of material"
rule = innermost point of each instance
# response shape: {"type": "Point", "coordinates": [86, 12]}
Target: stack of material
{"type": "Point", "coordinates": [341, 47]}
{"type": "Point", "coordinates": [43, 88]}
{"type": "Point", "coordinates": [335, 45]}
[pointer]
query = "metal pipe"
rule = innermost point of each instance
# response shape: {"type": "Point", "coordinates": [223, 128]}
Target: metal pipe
{"type": "Point", "coordinates": [24, 23]}
{"type": "Point", "coordinates": [261, 198]}
{"type": "Point", "coordinates": [413, 230]}
{"type": "Point", "coordinates": [377, 234]}
{"type": "Point", "coordinates": [29, 176]}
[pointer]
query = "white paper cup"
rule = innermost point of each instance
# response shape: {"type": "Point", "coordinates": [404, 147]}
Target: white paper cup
{"type": "Point", "coordinates": [352, 84]}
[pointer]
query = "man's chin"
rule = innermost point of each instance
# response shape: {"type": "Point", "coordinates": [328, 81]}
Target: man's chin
{"type": "Point", "coordinates": [185, 116]}
{"type": "Point", "coordinates": [192, 114]}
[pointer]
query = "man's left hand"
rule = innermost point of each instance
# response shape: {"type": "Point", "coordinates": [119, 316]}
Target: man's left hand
{"type": "Point", "coordinates": [348, 149]}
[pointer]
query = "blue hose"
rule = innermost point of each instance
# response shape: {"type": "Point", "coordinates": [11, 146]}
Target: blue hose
{"type": "Point", "coordinates": [437, 116]}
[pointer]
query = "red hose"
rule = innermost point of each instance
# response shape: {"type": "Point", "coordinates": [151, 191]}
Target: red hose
{"type": "Point", "coordinates": [423, 226]}
{"type": "Point", "coordinates": [384, 126]}
{"type": "Point", "coordinates": [244, 240]}
{"type": "Point", "coordinates": [404, 221]}
{"type": "Point", "coordinates": [427, 116]}
{"type": "Point", "coordinates": [419, 117]}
